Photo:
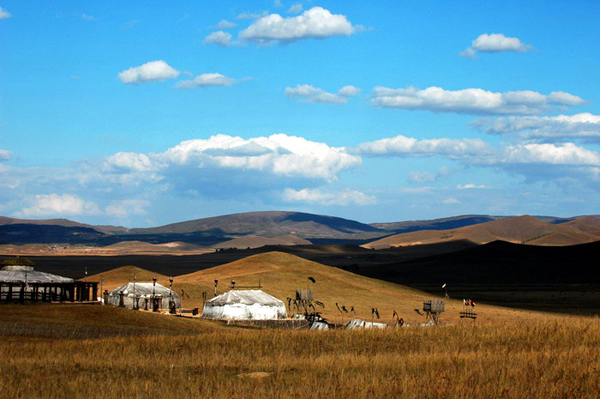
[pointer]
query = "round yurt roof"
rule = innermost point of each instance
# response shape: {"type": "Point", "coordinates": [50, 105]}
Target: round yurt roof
{"type": "Point", "coordinates": [245, 297]}
{"type": "Point", "coordinates": [20, 270]}
{"type": "Point", "coordinates": [143, 289]}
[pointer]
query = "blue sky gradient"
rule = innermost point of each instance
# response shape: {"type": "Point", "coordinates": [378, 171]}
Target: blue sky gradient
{"type": "Point", "coordinates": [142, 114]}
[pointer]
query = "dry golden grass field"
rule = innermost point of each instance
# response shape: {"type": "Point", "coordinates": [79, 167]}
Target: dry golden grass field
{"type": "Point", "coordinates": [84, 351]}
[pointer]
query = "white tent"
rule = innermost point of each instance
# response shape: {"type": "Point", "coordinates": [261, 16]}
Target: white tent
{"type": "Point", "coordinates": [128, 294]}
{"type": "Point", "coordinates": [358, 323]}
{"type": "Point", "coordinates": [244, 305]}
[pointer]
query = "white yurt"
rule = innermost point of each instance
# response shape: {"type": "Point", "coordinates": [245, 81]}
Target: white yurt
{"type": "Point", "coordinates": [141, 294]}
{"type": "Point", "coordinates": [244, 305]}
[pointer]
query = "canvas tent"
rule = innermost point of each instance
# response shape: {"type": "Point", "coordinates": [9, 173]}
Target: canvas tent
{"type": "Point", "coordinates": [139, 295]}
{"type": "Point", "coordinates": [358, 324]}
{"type": "Point", "coordinates": [244, 305]}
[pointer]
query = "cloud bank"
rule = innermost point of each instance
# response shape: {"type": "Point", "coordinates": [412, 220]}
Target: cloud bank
{"type": "Point", "coordinates": [584, 126]}
{"type": "Point", "coordinates": [471, 101]}
{"type": "Point", "coordinates": [410, 147]}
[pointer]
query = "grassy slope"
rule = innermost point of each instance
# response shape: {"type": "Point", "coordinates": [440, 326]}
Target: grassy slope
{"type": "Point", "coordinates": [281, 274]}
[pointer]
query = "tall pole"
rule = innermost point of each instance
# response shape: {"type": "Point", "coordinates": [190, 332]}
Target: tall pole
{"type": "Point", "coordinates": [154, 304]}
{"type": "Point", "coordinates": [171, 303]}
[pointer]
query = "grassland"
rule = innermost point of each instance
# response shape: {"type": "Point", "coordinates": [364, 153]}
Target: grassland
{"type": "Point", "coordinates": [53, 351]}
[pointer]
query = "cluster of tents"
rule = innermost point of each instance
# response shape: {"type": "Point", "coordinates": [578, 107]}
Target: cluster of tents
{"type": "Point", "coordinates": [231, 305]}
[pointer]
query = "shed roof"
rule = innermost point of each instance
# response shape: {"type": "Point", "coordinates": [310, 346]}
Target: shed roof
{"type": "Point", "coordinates": [10, 275]}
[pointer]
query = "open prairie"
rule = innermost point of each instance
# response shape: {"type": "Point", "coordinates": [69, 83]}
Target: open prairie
{"type": "Point", "coordinates": [104, 352]}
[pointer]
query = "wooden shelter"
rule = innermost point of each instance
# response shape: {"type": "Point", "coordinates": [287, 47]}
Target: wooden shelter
{"type": "Point", "coordinates": [20, 282]}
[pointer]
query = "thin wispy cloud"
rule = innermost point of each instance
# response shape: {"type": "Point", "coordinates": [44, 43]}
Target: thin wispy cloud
{"type": "Point", "coordinates": [206, 80]}
{"type": "Point", "coordinates": [345, 197]}
{"type": "Point", "coordinates": [224, 24]}
{"type": "Point", "coordinates": [4, 14]}
{"type": "Point", "coordinates": [220, 38]}
{"type": "Point", "coordinates": [311, 94]}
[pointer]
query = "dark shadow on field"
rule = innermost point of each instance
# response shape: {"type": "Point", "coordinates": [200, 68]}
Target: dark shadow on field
{"type": "Point", "coordinates": [559, 279]}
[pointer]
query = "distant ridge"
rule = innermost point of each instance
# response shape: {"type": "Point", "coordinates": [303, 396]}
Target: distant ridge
{"type": "Point", "coordinates": [256, 229]}
{"type": "Point", "coordinates": [271, 224]}
{"type": "Point", "coordinates": [520, 229]}
{"type": "Point", "coordinates": [251, 241]}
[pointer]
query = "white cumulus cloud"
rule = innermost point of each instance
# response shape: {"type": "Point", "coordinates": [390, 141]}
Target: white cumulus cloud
{"type": "Point", "coordinates": [471, 101]}
{"type": "Point", "coordinates": [316, 23]}
{"type": "Point", "coordinates": [149, 72]}
{"type": "Point", "coordinates": [220, 38]}
{"type": "Point", "coordinates": [495, 43]}
{"type": "Point", "coordinates": [55, 204]}
{"type": "Point", "coordinates": [206, 79]}
{"type": "Point", "coordinates": [278, 154]}
{"type": "Point", "coordinates": [222, 165]}
{"type": "Point", "coordinates": [311, 94]}
{"type": "Point", "coordinates": [340, 198]}
{"type": "Point", "coordinates": [5, 155]}
{"type": "Point", "coordinates": [585, 126]}
{"type": "Point", "coordinates": [410, 147]}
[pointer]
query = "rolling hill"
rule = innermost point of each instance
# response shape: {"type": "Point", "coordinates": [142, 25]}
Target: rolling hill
{"type": "Point", "coordinates": [271, 224]}
{"type": "Point", "coordinates": [280, 274]}
{"type": "Point", "coordinates": [521, 229]}
{"type": "Point", "coordinates": [254, 229]}
{"type": "Point", "coordinates": [115, 278]}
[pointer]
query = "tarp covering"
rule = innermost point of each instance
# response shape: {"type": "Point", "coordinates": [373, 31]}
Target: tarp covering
{"type": "Point", "coordinates": [244, 305]}
{"type": "Point", "coordinates": [126, 294]}
{"type": "Point", "coordinates": [358, 323]}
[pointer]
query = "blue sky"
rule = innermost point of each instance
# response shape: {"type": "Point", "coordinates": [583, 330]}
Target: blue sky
{"type": "Point", "coordinates": [147, 113]}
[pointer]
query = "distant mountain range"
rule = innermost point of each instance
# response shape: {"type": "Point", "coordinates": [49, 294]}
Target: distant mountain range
{"type": "Point", "coordinates": [255, 229]}
{"type": "Point", "coordinates": [520, 230]}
